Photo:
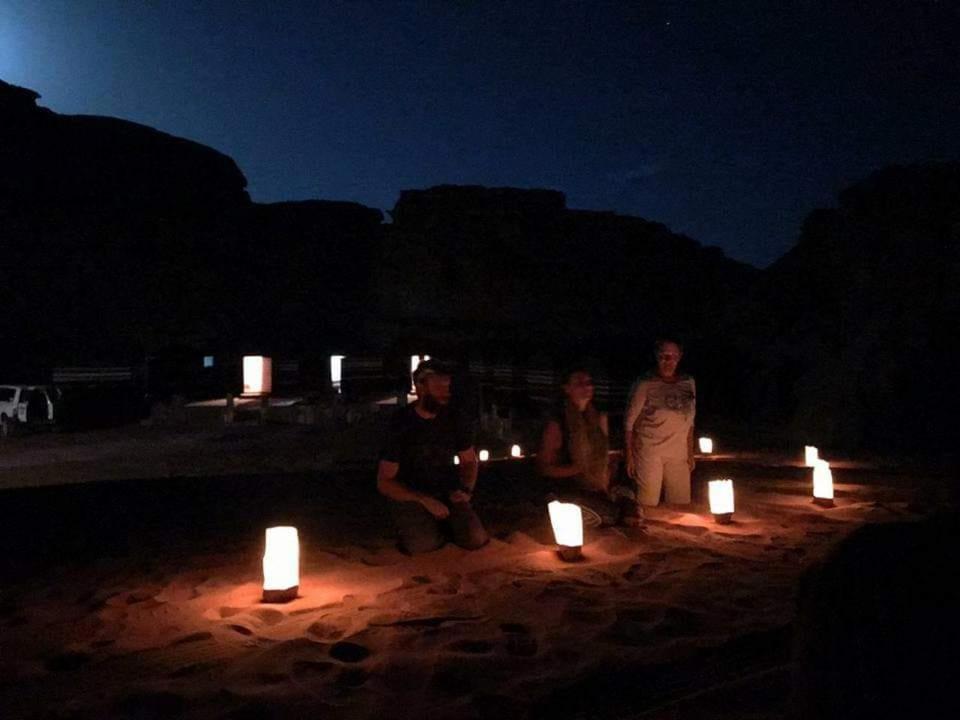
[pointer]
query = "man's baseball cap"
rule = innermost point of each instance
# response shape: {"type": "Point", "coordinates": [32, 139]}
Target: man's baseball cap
{"type": "Point", "coordinates": [431, 367]}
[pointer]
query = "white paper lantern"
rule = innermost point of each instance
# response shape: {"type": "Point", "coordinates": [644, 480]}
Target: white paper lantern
{"type": "Point", "coordinates": [810, 455]}
{"type": "Point", "coordinates": [822, 484]}
{"type": "Point", "coordinates": [456, 459]}
{"type": "Point", "coordinates": [281, 565]}
{"type": "Point", "coordinates": [484, 455]}
{"type": "Point", "coordinates": [706, 445]}
{"type": "Point", "coordinates": [721, 499]}
{"type": "Point", "coordinates": [257, 375]}
{"type": "Point", "coordinates": [336, 371]}
{"type": "Point", "coordinates": [515, 451]}
{"type": "Point", "coordinates": [567, 522]}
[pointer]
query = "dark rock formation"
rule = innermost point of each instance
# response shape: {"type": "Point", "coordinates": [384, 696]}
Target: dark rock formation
{"type": "Point", "coordinates": [506, 271]}
{"type": "Point", "coordinates": [61, 161]}
{"type": "Point", "coordinates": [851, 334]}
{"type": "Point", "coordinates": [120, 241]}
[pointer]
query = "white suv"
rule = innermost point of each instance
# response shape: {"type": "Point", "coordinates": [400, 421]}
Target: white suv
{"type": "Point", "coordinates": [26, 405]}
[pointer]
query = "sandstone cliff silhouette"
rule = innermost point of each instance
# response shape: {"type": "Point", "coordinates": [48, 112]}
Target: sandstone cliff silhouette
{"type": "Point", "coordinates": [121, 242]}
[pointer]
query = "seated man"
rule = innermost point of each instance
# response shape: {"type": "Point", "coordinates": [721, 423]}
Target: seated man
{"type": "Point", "coordinates": [574, 455]}
{"type": "Point", "coordinates": [430, 496]}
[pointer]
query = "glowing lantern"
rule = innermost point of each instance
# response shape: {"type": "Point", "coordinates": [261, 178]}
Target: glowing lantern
{"type": "Point", "coordinates": [721, 500]}
{"type": "Point", "coordinates": [281, 565]}
{"type": "Point", "coordinates": [822, 484]}
{"type": "Point", "coordinates": [515, 451]}
{"type": "Point", "coordinates": [567, 522]}
{"type": "Point", "coordinates": [706, 445]}
{"type": "Point", "coordinates": [456, 459]}
{"type": "Point", "coordinates": [257, 375]}
{"type": "Point", "coordinates": [810, 455]}
{"type": "Point", "coordinates": [484, 455]}
{"type": "Point", "coordinates": [336, 371]}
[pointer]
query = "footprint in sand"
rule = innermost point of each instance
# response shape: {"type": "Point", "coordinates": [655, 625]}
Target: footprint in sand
{"type": "Point", "coordinates": [192, 638]}
{"type": "Point", "coordinates": [65, 662]}
{"type": "Point", "coordinates": [519, 640]}
{"type": "Point", "coordinates": [451, 586]}
{"type": "Point", "coordinates": [192, 669]}
{"type": "Point", "coordinates": [325, 631]}
{"type": "Point", "coordinates": [241, 629]}
{"type": "Point", "coordinates": [640, 572]}
{"type": "Point", "coordinates": [271, 678]}
{"type": "Point", "coordinates": [151, 704]}
{"type": "Point", "coordinates": [268, 616]}
{"type": "Point", "coordinates": [349, 652]}
{"type": "Point", "coordinates": [351, 678]}
{"type": "Point", "coordinates": [309, 669]}
{"type": "Point", "coordinates": [471, 647]}
{"type": "Point", "coordinates": [679, 622]}
{"type": "Point", "coordinates": [587, 616]}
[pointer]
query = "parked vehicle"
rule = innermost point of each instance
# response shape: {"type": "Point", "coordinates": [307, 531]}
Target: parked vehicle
{"type": "Point", "coordinates": [27, 406]}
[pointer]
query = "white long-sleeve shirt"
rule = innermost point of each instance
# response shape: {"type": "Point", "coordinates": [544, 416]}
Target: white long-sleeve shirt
{"type": "Point", "coordinates": [660, 415]}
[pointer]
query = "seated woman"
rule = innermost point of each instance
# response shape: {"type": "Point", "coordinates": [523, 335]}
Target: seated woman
{"type": "Point", "coordinates": [574, 455]}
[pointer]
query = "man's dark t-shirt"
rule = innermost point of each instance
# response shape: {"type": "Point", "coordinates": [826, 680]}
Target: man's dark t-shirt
{"type": "Point", "coordinates": [424, 449]}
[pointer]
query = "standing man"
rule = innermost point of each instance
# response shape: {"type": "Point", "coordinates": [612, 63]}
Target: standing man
{"type": "Point", "coordinates": [430, 496]}
{"type": "Point", "coordinates": [658, 428]}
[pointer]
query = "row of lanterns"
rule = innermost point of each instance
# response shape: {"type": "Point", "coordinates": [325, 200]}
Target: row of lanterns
{"type": "Point", "coordinates": [281, 558]}
{"type": "Point", "coordinates": [484, 455]}
{"type": "Point", "coordinates": [567, 518]}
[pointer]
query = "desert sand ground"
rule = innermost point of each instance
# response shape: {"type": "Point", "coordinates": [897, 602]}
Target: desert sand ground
{"type": "Point", "coordinates": [140, 597]}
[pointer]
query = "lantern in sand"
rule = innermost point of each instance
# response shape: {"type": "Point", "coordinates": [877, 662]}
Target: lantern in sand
{"type": "Point", "coordinates": [567, 522]}
{"type": "Point", "coordinates": [456, 459]}
{"type": "Point", "coordinates": [281, 565]}
{"type": "Point", "coordinates": [810, 455]}
{"type": "Point", "coordinates": [336, 371]}
{"type": "Point", "coordinates": [822, 484]}
{"type": "Point", "coordinates": [706, 445]}
{"type": "Point", "coordinates": [721, 500]}
{"type": "Point", "coordinates": [257, 375]}
{"type": "Point", "coordinates": [484, 455]}
{"type": "Point", "coordinates": [515, 451]}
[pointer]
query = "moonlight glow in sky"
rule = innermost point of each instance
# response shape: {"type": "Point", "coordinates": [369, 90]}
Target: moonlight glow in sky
{"type": "Point", "coordinates": [728, 125]}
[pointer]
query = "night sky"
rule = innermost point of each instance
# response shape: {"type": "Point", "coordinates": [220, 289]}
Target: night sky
{"type": "Point", "coordinates": [728, 125]}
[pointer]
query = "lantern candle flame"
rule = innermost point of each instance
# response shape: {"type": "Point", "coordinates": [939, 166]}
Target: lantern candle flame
{"type": "Point", "coordinates": [721, 500]}
{"type": "Point", "coordinates": [567, 522]}
{"type": "Point", "coordinates": [706, 445]}
{"type": "Point", "coordinates": [281, 565]}
{"type": "Point", "coordinates": [810, 455]}
{"type": "Point", "coordinates": [822, 484]}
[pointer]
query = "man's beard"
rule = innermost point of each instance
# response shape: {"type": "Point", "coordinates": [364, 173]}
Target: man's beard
{"type": "Point", "coordinates": [431, 404]}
